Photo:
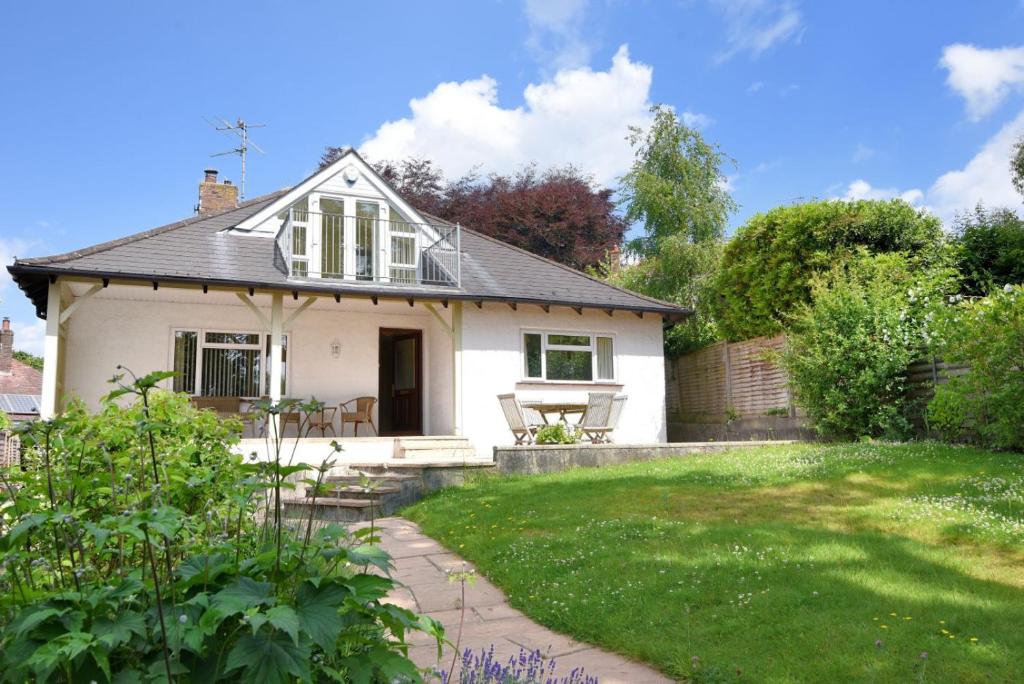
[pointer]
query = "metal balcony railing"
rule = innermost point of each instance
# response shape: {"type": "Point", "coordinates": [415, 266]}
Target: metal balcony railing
{"type": "Point", "coordinates": [318, 245]}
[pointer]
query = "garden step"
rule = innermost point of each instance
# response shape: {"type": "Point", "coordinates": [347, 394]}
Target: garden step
{"type": "Point", "coordinates": [355, 491]}
{"type": "Point", "coordinates": [333, 509]}
{"type": "Point", "coordinates": [447, 453]}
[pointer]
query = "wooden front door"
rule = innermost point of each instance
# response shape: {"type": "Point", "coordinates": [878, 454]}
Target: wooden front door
{"type": "Point", "coordinates": [401, 382]}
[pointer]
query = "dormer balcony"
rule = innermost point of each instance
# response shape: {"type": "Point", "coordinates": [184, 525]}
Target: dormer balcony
{"type": "Point", "coordinates": [362, 247]}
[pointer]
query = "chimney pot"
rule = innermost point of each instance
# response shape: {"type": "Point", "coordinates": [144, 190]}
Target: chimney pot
{"type": "Point", "coordinates": [211, 175]}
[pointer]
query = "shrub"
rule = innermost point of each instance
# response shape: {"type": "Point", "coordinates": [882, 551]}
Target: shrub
{"type": "Point", "coordinates": [987, 402]}
{"type": "Point", "coordinates": [849, 348]}
{"type": "Point", "coordinates": [556, 434]}
{"type": "Point", "coordinates": [137, 547]}
{"type": "Point", "coordinates": [769, 266]}
{"type": "Point", "coordinates": [990, 249]}
{"type": "Point", "coordinates": [528, 667]}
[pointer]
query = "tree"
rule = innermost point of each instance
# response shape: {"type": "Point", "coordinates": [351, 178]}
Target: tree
{"type": "Point", "coordinates": [680, 272]}
{"type": "Point", "coordinates": [676, 185]}
{"type": "Point", "coordinates": [29, 359]}
{"type": "Point", "coordinates": [559, 213]}
{"type": "Point", "coordinates": [1017, 165]}
{"type": "Point", "coordinates": [768, 267]}
{"type": "Point", "coordinates": [990, 249]}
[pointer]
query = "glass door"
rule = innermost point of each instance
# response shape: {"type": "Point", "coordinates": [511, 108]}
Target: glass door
{"type": "Point", "coordinates": [332, 238]}
{"type": "Point", "coordinates": [367, 215]}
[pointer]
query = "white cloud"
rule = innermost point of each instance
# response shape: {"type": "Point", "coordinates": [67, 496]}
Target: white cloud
{"type": "Point", "coordinates": [556, 32]}
{"type": "Point", "coordinates": [860, 189]}
{"type": "Point", "coordinates": [755, 26]}
{"type": "Point", "coordinates": [579, 116]}
{"type": "Point", "coordinates": [755, 86]}
{"type": "Point", "coordinates": [29, 336]}
{"type": "Point", "coordinates": [984, 179]}
{"type": "Point", "coordinates": [983, 77]}
{"type": "Point", "coordinates": [696, 119]}
{"type": "Point", "coordinates": [862, 152]}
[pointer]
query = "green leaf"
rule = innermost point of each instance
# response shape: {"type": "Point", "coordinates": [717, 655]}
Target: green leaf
{"type": "Point", "coordinates": [317, 610]}
{"type": "Point", "coordinates": [203, 569]}
{"type": "Point", "coordinates": [286, 620]}
{"type": "Point", "coordinates": [368, 554]}
{"type": "Point", "coordinates": [115, 632]}
{"type": "Point", "coordinates": [28, 621]}
{"type": "Point", "coordinates": [242, 594]}
{"type": "Point", "coordinates": [366, 588]}
{"type": "Point", "coordinates": [269, 657]}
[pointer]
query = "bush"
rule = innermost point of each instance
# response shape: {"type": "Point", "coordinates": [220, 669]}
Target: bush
{"type": "Point", "coordinates": [987, 402]}
{"type": "Point", "coordinates": [990, 249]}
{"type": "Point", "coordinates": [849, 348]}
{"type": "Point", "coordinates": [556, 434]}
{"type": "Point", "coordinates": [136, 547]}
{"type": "Point", "coordinates": [769, 266]}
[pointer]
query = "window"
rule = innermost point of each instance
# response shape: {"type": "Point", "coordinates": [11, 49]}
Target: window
{"type": "Point", "coordinates": [332, 238]}
{"type": "Point", "coordinates": [224, 364]}
{"type": "Point", "coordinates": [568, 357]}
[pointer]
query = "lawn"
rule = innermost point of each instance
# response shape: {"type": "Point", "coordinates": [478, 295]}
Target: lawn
{"type": "Point", "coordinates": [802, 563]}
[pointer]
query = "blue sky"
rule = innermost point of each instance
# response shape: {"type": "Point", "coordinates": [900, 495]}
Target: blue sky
{"type": "Point", "coordinates": [102, 131]}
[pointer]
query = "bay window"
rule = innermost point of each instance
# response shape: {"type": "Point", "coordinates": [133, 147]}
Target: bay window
{"type": "Point", "coordinates": [568, 357]}
{"type": "Point", "coordinates": [214, 363]}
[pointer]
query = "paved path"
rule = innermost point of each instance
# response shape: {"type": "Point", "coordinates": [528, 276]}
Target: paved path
{"type": "Point", "coordinates": [421, 565]}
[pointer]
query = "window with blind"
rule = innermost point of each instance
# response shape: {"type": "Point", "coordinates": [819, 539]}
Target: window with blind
{"type": "Point", "coordinates": [213, 363]}
{"type": "Point", "coordinates": [568, 357]}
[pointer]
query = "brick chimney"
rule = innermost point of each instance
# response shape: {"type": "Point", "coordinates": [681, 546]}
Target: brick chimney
{"type": "Point", "coordinates": [615, 260]}
{"type": "Point", "coordinates": [6, 346]}
{"type": "Point", "coordinates": [216, 197]}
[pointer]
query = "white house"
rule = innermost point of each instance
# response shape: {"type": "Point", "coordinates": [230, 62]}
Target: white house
{"type": "Point", "coordinates": [336, 288]}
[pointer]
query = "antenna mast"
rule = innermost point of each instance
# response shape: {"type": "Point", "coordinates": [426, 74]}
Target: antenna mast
{"type": "Point", "coordinates": [241, 129]}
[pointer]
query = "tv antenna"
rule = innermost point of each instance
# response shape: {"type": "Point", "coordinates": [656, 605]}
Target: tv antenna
{"type": "Point", "coordinates": [241, 129]}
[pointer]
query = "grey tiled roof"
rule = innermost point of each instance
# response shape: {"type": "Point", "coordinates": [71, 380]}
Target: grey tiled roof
{"type": "Point", "coordinates": [200, 250]}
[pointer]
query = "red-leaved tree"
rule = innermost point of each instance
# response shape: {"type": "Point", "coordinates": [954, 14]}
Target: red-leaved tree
{"type": "Point", "coordinates": [559, 213]}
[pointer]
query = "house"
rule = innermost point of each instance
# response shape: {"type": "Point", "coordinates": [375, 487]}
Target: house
{"type": "Point", "coordinates": [336, 288]}
{"type": "Point", "coordinates": [20, 384]}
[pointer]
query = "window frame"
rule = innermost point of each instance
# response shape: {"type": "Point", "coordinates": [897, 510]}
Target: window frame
{"type": "Point", "coordinates": [545, 347]}
{"type": "Point", "coordinates": [201, 343]}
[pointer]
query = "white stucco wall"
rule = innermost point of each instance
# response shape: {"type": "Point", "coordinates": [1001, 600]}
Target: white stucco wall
{"type": "Point", "coordinates": [492, 364]}
{"type": "Point", "coordinates": [132, 326]}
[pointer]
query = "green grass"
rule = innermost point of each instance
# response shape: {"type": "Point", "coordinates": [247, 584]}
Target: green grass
{"type": "Point", "coordinates": [802, 563]}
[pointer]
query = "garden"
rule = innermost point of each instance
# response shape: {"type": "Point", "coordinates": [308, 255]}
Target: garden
{"type": "Point", "coordinates": [812, 562]}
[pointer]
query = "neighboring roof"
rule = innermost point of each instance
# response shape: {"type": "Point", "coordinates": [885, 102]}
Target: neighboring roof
{"type": "Point", "coordinates": [200, 250]}
{"type": "Point", "coordinates": [23, 379]}
{"type": "Point", "coordinates": [17, 405]}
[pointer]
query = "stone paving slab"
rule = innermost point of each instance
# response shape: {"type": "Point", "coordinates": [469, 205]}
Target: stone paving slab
{"type": "Point", "coordinates": [422, 566]}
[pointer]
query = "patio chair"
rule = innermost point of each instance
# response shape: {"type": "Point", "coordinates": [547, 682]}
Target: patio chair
{"type": "Point", "coordinates": [523, 429]}
{"type": "Point", "coordinates": [361, 413]}
{"type": "Point", "coordinates": [596, 421]}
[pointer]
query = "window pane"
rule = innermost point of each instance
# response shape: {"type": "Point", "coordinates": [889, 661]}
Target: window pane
{"type": "Point", "coordinates": [569, 365]}
{"type": "Point", "coordinates": [231, 372]}
{"type": "Point", "coordinates": [300, 268]}
{"type": "Point", "coordinates": [185, 343]}
{"type": "Point", "coordinates": [232, 338]}
{"type": "Point", "coordinates": [605, 359]}
{"type": "Point", "coordinates": [299, 240]}
{"type": "Point", "coordinates": [531, 345]}
{"type": "Point", "coordinates": [284, 367]}
{"type": "Point", "coordinates": [573, 340]}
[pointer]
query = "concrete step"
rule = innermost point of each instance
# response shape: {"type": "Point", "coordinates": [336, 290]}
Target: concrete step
{"type": "Point", "coordinates": [334, 509]}
{"type": "Point", "coordinates": [434, 454]}
{"type": "Point", "coordinates": [434, 448]}
{"type": "Point", "coordinates": [355, 491]}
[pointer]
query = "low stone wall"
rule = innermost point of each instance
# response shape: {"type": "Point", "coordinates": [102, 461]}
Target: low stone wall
{"type": "Point", "coordinates": [758, 427]}
{"type": "Point", "coordinates": [553, 458]}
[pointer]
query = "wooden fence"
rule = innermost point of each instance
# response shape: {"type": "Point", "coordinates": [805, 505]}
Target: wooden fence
{"type": "Point", "coordinates": [729, 381]}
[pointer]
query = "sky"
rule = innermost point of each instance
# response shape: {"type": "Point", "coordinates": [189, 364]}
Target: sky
{"type": "Point", "coordinates": [102, 129]}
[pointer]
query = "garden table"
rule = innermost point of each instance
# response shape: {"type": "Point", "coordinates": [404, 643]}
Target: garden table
{"type": "Point", "coordinates": [560, 408]}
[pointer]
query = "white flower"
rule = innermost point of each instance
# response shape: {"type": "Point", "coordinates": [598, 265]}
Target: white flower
{"type": "Point", "coordinates": [1007, 287]}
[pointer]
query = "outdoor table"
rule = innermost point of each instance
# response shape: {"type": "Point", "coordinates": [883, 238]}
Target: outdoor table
{"type": "Point", "coordinates": [560, 408]}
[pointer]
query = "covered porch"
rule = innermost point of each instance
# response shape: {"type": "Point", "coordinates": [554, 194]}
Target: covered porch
{"type": "Point", "coordinates": [394, 361]}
